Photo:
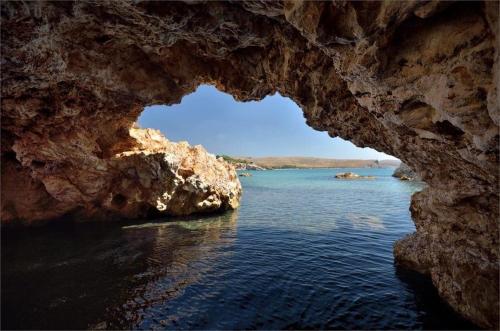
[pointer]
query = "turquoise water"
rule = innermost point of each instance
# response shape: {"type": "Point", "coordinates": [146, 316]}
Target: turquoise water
{"type": "Point", "coordinates": [304, 251]}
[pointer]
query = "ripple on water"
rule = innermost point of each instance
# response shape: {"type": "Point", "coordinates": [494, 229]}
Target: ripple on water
{"type": "Point", "coordinates": [303, 251]}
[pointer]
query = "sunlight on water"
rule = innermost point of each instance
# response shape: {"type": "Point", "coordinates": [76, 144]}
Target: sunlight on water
{"type": "Point", "coordinates": [305, 250]}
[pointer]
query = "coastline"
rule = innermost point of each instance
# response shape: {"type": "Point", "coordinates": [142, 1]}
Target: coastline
{"type": "Point", "coordinates": [300, 162]}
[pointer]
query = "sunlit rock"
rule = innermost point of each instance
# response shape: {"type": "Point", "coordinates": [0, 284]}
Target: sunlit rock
{"type": "Point", "coordinates": [154, 177]}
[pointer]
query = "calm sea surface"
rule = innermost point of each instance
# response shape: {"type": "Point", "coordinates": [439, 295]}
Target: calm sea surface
{"type": "Point", "coordinates": [304, 251]}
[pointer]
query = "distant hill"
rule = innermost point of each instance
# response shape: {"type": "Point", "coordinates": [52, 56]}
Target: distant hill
{"type": "Point", "coordinates": [231, 159]}
{"type": "Point", "coordinates": [315, 162]}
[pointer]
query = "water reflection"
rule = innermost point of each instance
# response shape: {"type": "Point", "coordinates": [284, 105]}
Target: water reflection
{"type": "Point", "coordinates": [106, 273]}
{"type": "Point", "coordinates": [304, 252]}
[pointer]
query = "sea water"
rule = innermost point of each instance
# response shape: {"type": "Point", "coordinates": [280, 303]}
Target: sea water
{"type": "Point", "coordinates": [304, 251]}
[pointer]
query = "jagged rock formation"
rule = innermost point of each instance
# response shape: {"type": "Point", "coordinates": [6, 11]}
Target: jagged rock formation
{"type": "Point", "coordinates": [404, 172]}
{"type": "Point", "coordinates": [417, 80]}
{"type": "Point", "coordinates": [153, 177]}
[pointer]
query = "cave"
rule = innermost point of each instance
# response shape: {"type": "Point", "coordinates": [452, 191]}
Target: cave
{"type": "Point", "coordinates": [417, 80]}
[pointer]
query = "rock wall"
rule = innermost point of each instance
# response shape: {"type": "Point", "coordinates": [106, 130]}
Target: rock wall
{"type": "Point", "coordinates": [417, 80]}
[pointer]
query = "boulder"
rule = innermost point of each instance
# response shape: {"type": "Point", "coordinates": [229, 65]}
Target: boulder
{"type": "Point", "coordinates": [155, 177]}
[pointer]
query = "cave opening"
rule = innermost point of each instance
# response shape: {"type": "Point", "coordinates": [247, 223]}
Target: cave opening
{"type": "Point", "coordinates": [272, 127]}
{"type": "Point", "coordinates": [298, 205]}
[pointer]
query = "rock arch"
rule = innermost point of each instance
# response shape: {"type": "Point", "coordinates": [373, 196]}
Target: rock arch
{"type": "Point", "coordinates": [417, 80]}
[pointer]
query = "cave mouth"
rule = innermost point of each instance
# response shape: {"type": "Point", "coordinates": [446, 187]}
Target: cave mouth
{"type": "Point", "coordinates": [357, 221]}
{"type": "Point", "coordinates": [271, 127]}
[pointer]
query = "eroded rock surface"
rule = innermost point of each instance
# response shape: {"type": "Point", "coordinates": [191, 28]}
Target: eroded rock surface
{"type": "Point", "coordinates": [414, 79]}
{"type": "Point", "coordinates": [152, 178]}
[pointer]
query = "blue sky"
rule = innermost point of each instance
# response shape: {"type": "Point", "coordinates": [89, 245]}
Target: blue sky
{"type": "Point", "coordinates": [274, 126]}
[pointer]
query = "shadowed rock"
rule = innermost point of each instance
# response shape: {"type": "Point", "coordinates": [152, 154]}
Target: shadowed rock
{"type": "Point", "coordinates": [404, 172]}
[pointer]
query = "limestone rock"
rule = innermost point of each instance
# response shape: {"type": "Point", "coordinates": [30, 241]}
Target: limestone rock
{"type": "Point", "coordinates": [414, 79]}
{"type": "Point", "coordinates": [155, 177]}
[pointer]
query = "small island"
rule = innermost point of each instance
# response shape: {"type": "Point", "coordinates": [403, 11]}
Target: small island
{"type": "Point", "coordinates": [352, 175]}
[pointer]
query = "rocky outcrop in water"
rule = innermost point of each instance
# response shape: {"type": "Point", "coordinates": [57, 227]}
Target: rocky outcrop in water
{"type": "Point", "coordinates": [352, 175]}
{"type": "Point", "coordinates": [418, 80]}
{"type": "Point", "coordinates": [153, 177]}
{"type": "Point", "coordinates": [404, 172]}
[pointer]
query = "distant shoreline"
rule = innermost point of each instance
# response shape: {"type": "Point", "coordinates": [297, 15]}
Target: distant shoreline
{"type": "Point", "coordinates": [313, 168]}
{"type": "Point", "coordinates": [298, 162]}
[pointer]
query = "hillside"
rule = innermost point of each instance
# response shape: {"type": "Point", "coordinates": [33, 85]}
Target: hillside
{"type": "Point", "coordinates": [314, 162]}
